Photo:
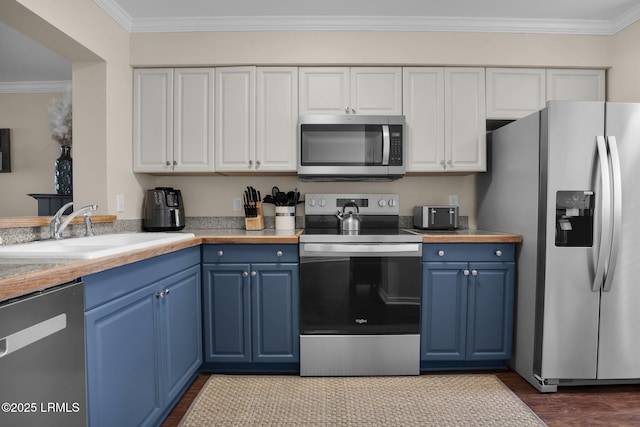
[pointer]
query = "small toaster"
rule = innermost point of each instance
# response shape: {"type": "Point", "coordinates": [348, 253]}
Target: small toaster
{"type": "Point", "coordinates": [435, 217]}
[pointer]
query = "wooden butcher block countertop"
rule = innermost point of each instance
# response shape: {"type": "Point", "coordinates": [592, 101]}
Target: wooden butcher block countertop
{"type": "Point", "coordinates": [21, 276]}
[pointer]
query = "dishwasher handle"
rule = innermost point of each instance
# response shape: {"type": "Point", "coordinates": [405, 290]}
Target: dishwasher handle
{"type": "Point", "coordinates": [18, 340]}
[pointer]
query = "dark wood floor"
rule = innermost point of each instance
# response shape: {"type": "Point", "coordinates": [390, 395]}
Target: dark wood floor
{"type": "Point", "coordinates": [570, 406]}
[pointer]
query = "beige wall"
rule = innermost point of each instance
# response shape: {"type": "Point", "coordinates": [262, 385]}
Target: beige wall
{"type": "Point", "coordinates": [33, 152]}
{"type": "Point", "coordinates": [624, 77]}
{"type": "Point", "coordinates": [375, 48]}
{"type": "Point", "coordinates": [103, 87]}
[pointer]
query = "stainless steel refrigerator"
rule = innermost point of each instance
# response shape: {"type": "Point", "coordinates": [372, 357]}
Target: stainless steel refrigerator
{"type": "Point", "coordinates": [567, 179]}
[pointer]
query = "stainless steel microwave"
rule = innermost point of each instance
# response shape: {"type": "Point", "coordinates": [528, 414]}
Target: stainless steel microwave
{"type": "Point", "coordinates": [359, 148]}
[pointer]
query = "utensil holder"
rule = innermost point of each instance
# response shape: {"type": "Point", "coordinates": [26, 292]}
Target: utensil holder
{"type": "Point", "coordinates": [285, 217]}
{"type": "Point", "coordinates": [257, 222]}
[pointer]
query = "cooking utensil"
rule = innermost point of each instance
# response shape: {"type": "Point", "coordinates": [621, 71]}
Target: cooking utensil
{"type": "Point", "coordinates": [349, 224]}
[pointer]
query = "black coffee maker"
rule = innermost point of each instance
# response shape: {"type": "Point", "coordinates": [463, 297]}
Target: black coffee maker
{"type": "Point", "coordinates": [163, 210]}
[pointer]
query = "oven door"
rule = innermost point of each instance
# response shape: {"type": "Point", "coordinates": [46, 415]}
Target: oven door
{"type": "Point", "coordinates": [360, 288]}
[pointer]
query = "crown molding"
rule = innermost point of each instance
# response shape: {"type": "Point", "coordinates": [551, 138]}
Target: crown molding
{"type": "Point", "coordinates": [35, 87]}
{"type": "Point", "coordinates": [626, 19]}
{"type": "Point", "coordinates": [118, 14]}
{"type": "Point", "coordinates": [366, 23]}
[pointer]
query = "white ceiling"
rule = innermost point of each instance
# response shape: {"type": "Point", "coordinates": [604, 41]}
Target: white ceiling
{"type": "Point", "coordinates": [24, 60]}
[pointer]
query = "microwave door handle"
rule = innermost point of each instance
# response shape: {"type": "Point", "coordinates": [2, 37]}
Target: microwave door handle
{"type": "Point", "coordinates": [386, 145]}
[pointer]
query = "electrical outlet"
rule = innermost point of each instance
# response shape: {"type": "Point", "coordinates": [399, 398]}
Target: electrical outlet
{"type": "Point", "coordinates": [237, 204]}
{"type": "Point", "coordinates": [453, 200]}
{"type": "Point", "coordinates": [119, 202]}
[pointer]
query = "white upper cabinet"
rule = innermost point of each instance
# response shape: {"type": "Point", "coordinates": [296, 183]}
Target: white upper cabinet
{"type": "Point", "coordinates": [277, 119]}
{"type": "Point", "coordinates": [235, 119]}
{"type": "Point", "coordinates": [173, 120]}
{"type": "Point", "coordinates": [465, 120]}
{"type": "Point", "coordinates": [153, 120]}
{"type": "Point", "coordinates": [423, 99]}
{"type": "Point", "coordinates": [513, 93]}
{"type": "Point", "coordinates": [256, 117]}
{"type": "Point", "coordinates": [376, 90]}
{"type": "Point", "coordinates": [445, 114]}
{"type": "Point", "coordinates": [576, 85]}
{"type": "Point", "coordinates": [351, 90]}
{"type": "Point", "coordinates": [193, 120]}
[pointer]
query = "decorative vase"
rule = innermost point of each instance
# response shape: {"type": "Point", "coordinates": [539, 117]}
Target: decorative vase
{"type": "Point", "coordinates": [64, 171]}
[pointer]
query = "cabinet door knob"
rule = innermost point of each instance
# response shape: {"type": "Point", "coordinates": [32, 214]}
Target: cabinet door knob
{"type": "Point", "coordinates": [474, 272]}
{"type": "Point", "coordinates": [346, 109]}
{"type": "Point", "coordinates": [250, 163]}
{"type": "Point", "coordinates": [245, 274]}
{"type": "Point", "coordinates": [163, 293]}
{"type": "Point", "coordinates": [254, 274]}
{"type": "Point", "coordinates": [353, 110]}
{"type": "Point", "coordinates": [441, 253]}
{"type": "Point", "coordinates": [168, 163]}
{"type": "Point", "coordinates": [220, 253]}
{"type": "Point", "coordinates": [258, 163]}
{"type": "Point", "coordinates": [175, 162]}
{"type": "Point", "coordinates": [465, 272]}
{"type": "Point", "coordinates": [498, 252]}
{"type": "Point", "coordinates": [279, 253]}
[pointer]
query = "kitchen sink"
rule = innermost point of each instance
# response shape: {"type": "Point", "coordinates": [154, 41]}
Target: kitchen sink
{"type": "Point", "coordinates": [90, 247]}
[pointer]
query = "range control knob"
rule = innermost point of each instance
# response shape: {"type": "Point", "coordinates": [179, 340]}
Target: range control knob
{"type": "Point", "coordinates": [322, 202]}
{"type": "Point", "coordinates": [382, 203]}
{"type": "Point", "coordinates": [312, 202]}
{"type": "Point", "coordinates": [392, 203]}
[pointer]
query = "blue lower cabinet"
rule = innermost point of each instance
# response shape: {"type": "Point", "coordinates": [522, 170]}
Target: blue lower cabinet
{"type": "Point", "coordinates": [467, 307]}
{"type": "Point", "coordinates": [250, 310]}
{"type": "Point", "coordinates": [143, 338]}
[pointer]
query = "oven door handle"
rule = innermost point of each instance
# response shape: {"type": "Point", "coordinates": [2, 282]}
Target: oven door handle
{"type": "Point", "coordinates": [364, 249]}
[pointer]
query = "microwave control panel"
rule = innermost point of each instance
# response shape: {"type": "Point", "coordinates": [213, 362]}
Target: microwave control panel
{"type": "Point", "coordinates": [395, 149]}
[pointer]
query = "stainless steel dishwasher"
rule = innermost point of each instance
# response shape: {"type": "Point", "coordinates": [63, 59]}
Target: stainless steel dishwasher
{"type": "Point", "coordinates": [42, 359]}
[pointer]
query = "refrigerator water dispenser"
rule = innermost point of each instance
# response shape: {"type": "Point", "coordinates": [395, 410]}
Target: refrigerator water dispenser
{"type": "Point", "coordinates": [574, 218]}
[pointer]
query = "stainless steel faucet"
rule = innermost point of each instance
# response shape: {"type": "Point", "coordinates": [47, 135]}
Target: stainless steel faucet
{"type": "Point", "coordinates": [57, 226]}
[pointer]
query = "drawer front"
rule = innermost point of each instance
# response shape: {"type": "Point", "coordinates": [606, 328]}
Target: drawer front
{"type": "Point", "coordinates": [215, 254]}
{"type": "Point", "coordinates": [468, 252]}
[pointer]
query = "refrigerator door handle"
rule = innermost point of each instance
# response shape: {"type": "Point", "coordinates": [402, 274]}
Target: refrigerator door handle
{"type": "Point", "coordinates": [605, 232]}
{"type": "Point", "coordinates": [617, 211]}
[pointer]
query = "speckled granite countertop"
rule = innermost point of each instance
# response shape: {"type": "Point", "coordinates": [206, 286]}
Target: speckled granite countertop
{"type": "Point", "coordinates": [20, 277]}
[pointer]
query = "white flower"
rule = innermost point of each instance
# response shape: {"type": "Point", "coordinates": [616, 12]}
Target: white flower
{"type": "Point", "coordinates": [60, 118]}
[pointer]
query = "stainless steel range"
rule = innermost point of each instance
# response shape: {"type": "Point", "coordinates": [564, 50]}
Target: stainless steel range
{"type": "Point", "coordinates": [359, 289]}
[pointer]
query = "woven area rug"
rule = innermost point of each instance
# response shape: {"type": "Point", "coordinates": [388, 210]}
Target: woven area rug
{"type": "Point", "coordinates": [426, 400]}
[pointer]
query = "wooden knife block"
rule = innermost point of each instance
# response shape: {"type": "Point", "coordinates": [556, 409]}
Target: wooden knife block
{"type": "Point", "coordinates": [255, 223]}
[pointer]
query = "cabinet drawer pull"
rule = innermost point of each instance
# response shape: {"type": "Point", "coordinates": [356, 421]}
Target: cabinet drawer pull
{"type": "Point", "coordinates": [498, 252]}
{"type": "Point", "coordinates": [279, 253]}
{"type": "Point", "coordinates": [440, 253]}
{"type": "Point", "coordinates": [220, 253]}
{"type": "Point", "coordinates": [163, 293]}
